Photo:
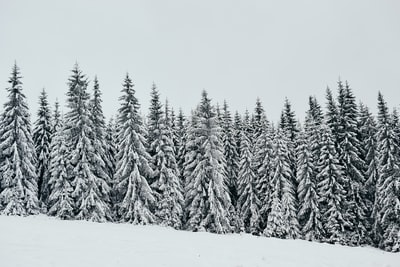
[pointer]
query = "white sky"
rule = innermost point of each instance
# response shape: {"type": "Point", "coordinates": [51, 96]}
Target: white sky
{"type": "Point", "coordinates": [236, 50]}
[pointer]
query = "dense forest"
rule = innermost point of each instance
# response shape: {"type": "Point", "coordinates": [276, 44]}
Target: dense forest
{"type": "Point", "coordinates": [333, 178]}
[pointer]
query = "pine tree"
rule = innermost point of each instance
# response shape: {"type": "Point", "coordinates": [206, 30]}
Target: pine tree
{"type": "Point", "coordinates": [332, 116]}
{"type": "Point", "coordinates": [19, 195]}
{"type": "Point", "coordinates": [135, 197]}
{"type": "Point", "coordinates": [56, 119]}
{"type": "Point", "coordinates": [169, 209]}
{"type": "Point", "coordinates": [387, 207]}
{"type": "Point", "coordinates": [101, 158]}
{"type": "Point", "coordinates": [282, 220]}
{"type": "Point", "coordinates": [111, 141]}
{"type": "Point", "coordinates": [180, 132]}
{"type": "Point", "coordinates": [368, 132]}
{"type": "Point", "coordinates": [353, 167]}
{"type": "Point", "coordinates": [309, 214]}
{"type": "Point", "coordinates": [42, 138]}
{"type": "Point", "coordinates": [60, 202]}
{"type": "Point", "coordinates": [90, 190]}
{"type": "Point", "coordinates": [207, 197]}
{"type": "Point", "coordinates": [230, 153]}
{"type": "Point", "coordinates": [330, 189]}
{"type": "Point", "coordinates": [248, 202]}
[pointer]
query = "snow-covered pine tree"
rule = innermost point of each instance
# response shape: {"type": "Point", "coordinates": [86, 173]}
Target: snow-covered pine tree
{"type": "Point", "coordinates": [90, 190]}
{"type": "Point", "coordinates": [42, 133]}
{"type": "Point", "coordinates": [111, 141]}
{"type": "Point", "coordinates": [368, 132]}
{"type": "Point", "coordinates": [332, 116]}
{"type": "Point", "coordinates": [282, 219]}
{"type": "Point", "coordinates": [153, 132]}
{"type": "Point", "coordinates": [289, 127]}
{"type": "Point", "coordinates": [309, 214]}
{"type": "Point", "coordinates": [387, 202]}
{"type": "Point", "coordinates": [353, 167]}
{"type": "Point", "coordinates": [248, 204]}
{"type": "Point", "coordinates": [180, 132]}
{"type": "Point", "coordinates": [207, 196]}
{"type": "Point", "coordinates": [19, 194]}
{"type": "Point", "coordinates": [135, 198]}
{"type": "Point", "coordinates": [60, 202]}
{"type": "Point", "coordinates": [100, 160]}
{"type": "Point", "coordinates": [230, 153]}
{"type": "Point", "coordinates": [56, 119]}
{"type": "Point", "coordinates": [330, 189]}
{"type": "Point", "coordinates": [169, 209]}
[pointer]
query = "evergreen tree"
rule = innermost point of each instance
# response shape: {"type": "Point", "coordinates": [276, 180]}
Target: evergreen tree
{"type": "Point", "coordinates": [90, 189]}
{"type": "Point", "coordinates": [56, 119]}
{"type": "Point", "coordinates": [207, 197]}
{"type": "Point", "coordinates": [330, 189]}
{"type": "Point", "coordinates": [248, 202]}
{"type": "Point", "coordinates": [230, 153]}
{"type": "Point", "coordinates": [101, 160]}
{"type": "Point", "coordinates": [19, 195]}
{"type": "Point", "coordinates": [111, 150]}
{"type": "Point", "coordinates": [42, 138]}
{"type": "Point", "coordinates": [353, 166]}
{"type": "Point", "coordinates": [309, 214]}
{"type": "Point", "coordinates": [332, 116]}
{"type": "Point", "coordinates": [368, 132]}
{"type": "Point", "coordinates": [60, 203]}
{"type": "Point", "coordinates": [135, 198]}
{"type": "Point", "coordinates": [180, 132]}
{"type": "Point", "coordinates": [387, 207]}
{"type": "Point", "coordinates": [166, 183]}
{"type": "Point", "coordinates": [282, 220]}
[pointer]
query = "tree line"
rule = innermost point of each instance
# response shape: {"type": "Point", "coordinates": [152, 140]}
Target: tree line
{"type": "Point", "coordinates": [333, 178]}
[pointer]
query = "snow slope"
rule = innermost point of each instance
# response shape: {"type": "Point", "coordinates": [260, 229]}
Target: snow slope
{"type": "Point", "coordinates": [43, 242]}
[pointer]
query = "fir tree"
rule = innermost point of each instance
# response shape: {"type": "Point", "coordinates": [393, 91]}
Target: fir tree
{"type": "Point", "coordinates": [282, 220]}
{"type": "Point", "coordinates": [332, 116]}
{"type": "Point", "coordinates": [330, 189]}
{"type": "Point", "coordinates": [230, 153]}
{"type": "Point", "coordinates": [248, 202]}
{"type": "Point", "coordinates": [309, 214]}
{"type": "Point", "coordinates": [111, 150]}
{"type": "Point", "coordinates": [353, 166]}
{"type": "Point", "coordinates": [207, 197]}
{"type": "Point", "coordinates": [90, 190]}
{"type": "Point", "coordinates": [387, 207]}
{"type": "Point", "coordinates": [166, 183]}
{"type": "Point", "coordinates": [19, 195]}
{"type": "Point", "coordinates": [135, 197]}
{"type": "Point", "coordinates": [180, 132]}
{"type": "Point", "coordinates": [368, 131]}
{"type": "Point", "coordinates": [60, 203]}
{"type": "Point", "coordinates": [42, 138]}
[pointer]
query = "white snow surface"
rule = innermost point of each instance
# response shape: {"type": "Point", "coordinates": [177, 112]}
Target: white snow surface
{"type": "Point", "coordinates": [41, 241]}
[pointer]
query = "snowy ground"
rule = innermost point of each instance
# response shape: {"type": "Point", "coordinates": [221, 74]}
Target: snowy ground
{"type": "Point", "coordinates": [43, 242]}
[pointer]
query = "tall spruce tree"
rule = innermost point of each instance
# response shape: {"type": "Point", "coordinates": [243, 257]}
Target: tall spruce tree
{"type": "Point", "coordinates": [353, 166]}
{"type": "Point", "coordinates": [42, 138]}
{"type": "Point", "coordinates": [282, 219]}
{"type": "Point", "coordinates": [60, 202]}
{"type": "Point", "coordinates": [248, 204]}
{"type": "Point", "coordinates": [331, 190]}
{"type": "Point", "coordinates": [90, 190]}
{"type": "Point", "coordinates": [136, 201]}
{"type": "Point", "coordinates": [207, 196]}
{"type": "Point", "coordinates": [230, 153]}
{"type": "Point", "coordinates": [111, 141]}
{"type": "Point", "coordinates": [387, 207]}
{"type": "Point", "coordinates": [169, 209]}
{"type": "Point", "coordinates": [332, 116]}
{"type": "Point", "coordinates": [19, 189]}
{"type": "Point", "coordinates": [309, 213]}
{"type": "Point", "coordinates": [368, 137]}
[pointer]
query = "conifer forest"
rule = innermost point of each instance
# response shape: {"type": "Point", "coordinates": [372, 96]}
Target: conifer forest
{"type": "Point", "coordinates": [333, 177]}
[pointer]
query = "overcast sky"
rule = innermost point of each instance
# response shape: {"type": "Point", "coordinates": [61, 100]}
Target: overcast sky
{"type": "Point", "coordinates": [236, 50]}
